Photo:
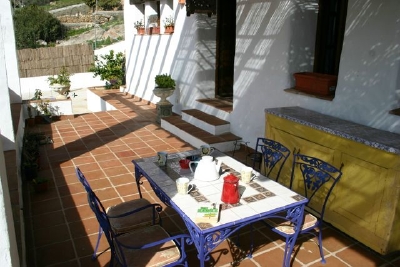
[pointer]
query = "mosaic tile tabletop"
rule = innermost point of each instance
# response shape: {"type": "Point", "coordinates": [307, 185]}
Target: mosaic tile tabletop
{"type": "Point", "coordinates": [261, 195]}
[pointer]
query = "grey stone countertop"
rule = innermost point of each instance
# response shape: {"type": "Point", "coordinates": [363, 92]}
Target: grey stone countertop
{"type": "Point", "coordinates": [380, 139]}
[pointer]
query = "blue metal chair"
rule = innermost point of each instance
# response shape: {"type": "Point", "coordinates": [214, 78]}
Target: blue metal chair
{"type": "Point", "coordinates": [125, 216]}
{"type": "Point", "coordinates": [315, 179]}
{"type": "Point", "coordinates": [271, 152]}
{"type": "Point", "coordinates": [146, 246]}
{"type": "Point", "coordinates": [274, 154]}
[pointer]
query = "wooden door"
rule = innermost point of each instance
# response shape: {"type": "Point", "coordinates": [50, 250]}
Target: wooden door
{"type": "Point", "coordinates": [225, 54]}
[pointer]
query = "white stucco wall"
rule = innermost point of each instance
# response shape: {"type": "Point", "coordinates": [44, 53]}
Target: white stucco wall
{"type": "Point", "coordinates": [274, 40]}
{"type": "Point", "coordinates": [188, 55]}
{"type": "Point", "coordinates": [6, 82]}
{"type": "Point", "coordinates": [369, 73]}
{"type": "Point", "coordinates": [8, 40]}
{"type": "Point", "coordinates": [8, 244]}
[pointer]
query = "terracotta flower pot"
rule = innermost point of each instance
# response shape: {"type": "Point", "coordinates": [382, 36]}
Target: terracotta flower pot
{"type": "Point", "coordinates": [315, 83]}
{"type": "Point", "coordinates": [30, 122]}
{"type": "Point", "coordinates": [41, 187]}
{"type": "Point", "coordinates": [169, 30]}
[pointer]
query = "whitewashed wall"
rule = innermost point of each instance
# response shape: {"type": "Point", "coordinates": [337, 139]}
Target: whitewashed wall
{"type": "Point", "coordinates": [11, 60]}
{"type": "Point", "coordinates": [9, 83]}
{"type": "Point", "coordinates": [188, 55]}
{"type": "Point", "coordinates": [8, 79]}
{"type": "Point", "coordinates": [283, 43]}
{"type": "Point", "coordinates": [274, 40]}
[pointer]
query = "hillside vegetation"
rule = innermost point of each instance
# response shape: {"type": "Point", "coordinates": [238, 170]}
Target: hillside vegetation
{"type": "Point", "coordinates": [48, 30]}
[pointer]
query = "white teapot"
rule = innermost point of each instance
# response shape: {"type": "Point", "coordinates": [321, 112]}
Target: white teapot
{"type": "Point", "coordinates": [207, 169]}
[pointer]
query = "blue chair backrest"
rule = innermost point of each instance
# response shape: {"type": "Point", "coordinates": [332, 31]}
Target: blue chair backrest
{"type": "Point", "coordinates": [83, 180]}
{"type": "Point", "coordinates": [315, 174]}
{"type": "Point", "coordinates": [101, 216]}
{"type": "Point", "coordinates": [272, 152]}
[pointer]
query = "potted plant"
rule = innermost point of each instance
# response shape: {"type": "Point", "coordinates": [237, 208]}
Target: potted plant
{"type": "Point", "coordinates": [165, 87]}
{"type": "Point", "coordinates": [139, 26]}
{"type": "Point", "coordinates": [30, 156]}
{"type": "Point", "coordinates": [315, 83]}
{"type": "Point", "coordinates": [61, 83]}
{"type": "Point", "coordinates": [169, 25]}
{"type": "Point", "coordinates": [40, 184]}
{"type": "Point", "coordinates": [30, 122]}
{"type": "Point", "coordinates": [110, 68]}
{"type": "Point", "coordinates": [154, 24]}
{"type": "Point", "coordinates": [45, 110]}
{"type": "Point", "coordinates": [37, 95]}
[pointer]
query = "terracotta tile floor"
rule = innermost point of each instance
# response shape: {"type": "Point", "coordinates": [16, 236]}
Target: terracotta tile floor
{"type": "Point", "coordinates": [61, 229]}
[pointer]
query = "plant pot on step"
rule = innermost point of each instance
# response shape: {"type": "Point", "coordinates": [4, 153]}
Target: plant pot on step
{"type": "Point", "coordinates": [38, 119]}
{"type": "Point", "coordinates": [40, 184]}
{"type": "Point", "coordinates": [169, 30]}
{"type": "Point", "coordinates": [30, 122]}
{"type": "Point", "coordinates": [47, 119]}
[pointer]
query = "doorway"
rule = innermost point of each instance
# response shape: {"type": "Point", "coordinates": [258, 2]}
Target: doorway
{"type": "Point", "coordinates": [225, 48]}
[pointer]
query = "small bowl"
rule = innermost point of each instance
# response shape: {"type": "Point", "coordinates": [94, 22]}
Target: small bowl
{"type": "Point", "coordinates": [184, 163]}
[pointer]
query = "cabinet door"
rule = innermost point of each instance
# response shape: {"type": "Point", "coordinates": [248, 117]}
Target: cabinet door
{"type": "Point", "coordinates": [305, 146]}
{"type": "Point", "coordinates": [359, 194]}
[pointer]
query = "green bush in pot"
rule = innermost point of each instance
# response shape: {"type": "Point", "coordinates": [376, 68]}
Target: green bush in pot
{"type": "Point", "coordinates": [164, 81]}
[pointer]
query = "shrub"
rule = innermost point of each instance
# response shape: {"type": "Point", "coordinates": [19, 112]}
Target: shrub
{"type": "Point", "coordinates": [110, 68]}
{"type": "Point", "coordinates": [164, 81]}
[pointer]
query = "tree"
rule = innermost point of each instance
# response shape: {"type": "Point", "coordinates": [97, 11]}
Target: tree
{"type": "Point", "coordinates": [91, 3]}
{"type": "Point", "coordinates": [32, 24]}
{"type": "Point", "coordinates": [103, 4]}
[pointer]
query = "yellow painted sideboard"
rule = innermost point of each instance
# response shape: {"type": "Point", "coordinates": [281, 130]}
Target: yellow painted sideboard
{"type": "Point", "coordinates": [365, 203]}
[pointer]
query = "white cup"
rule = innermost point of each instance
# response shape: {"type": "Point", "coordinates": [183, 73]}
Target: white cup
{"type": "Point", "coordinates": [206, 150]}
{"type": "Point", "coordinates": [162, 158]}
{"type": "Point", "coordinates": [183, 186]}
{"type": "Point", "coordinates": [247, 174]}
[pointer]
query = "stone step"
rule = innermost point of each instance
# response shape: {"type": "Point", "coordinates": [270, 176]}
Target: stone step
{"type": "Point", "coordinates": [207, 122]}
{"type": "Point", "coordinates": [197, 136]}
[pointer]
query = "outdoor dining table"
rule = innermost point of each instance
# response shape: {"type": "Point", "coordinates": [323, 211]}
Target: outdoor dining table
{"type": "Point", "coordinates": [260, 199]}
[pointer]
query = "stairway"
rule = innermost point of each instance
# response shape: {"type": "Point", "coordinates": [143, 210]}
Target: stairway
{"type": "Point", "coordinates": [199, 127]}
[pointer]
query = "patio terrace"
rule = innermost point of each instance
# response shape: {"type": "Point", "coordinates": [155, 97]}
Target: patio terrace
{"type": "Point", "coordinates": [61, 230]}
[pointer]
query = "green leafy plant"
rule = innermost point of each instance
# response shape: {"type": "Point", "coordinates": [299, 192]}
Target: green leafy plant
{"type": "Point", "coordinates": [110, 68]}
{"type": "Point", "coordinates": [37, 95]}
{"type": "Point", "coordinates": [164, 81]}
{"type": "Point", "coordinates": [40, 180]}
{"type": "Point", "coordinates": [138, 24]}
{"type": "Point", "coordinates": [62, 78]}
{"type": "Point", "coordinates": [169, 22]}
{"type": "Point", "coordinates": [44, 107]}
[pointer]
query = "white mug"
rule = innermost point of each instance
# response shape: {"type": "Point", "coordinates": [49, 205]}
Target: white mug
{"type": "Point", "coordinates": [206, 150]}
{"type": "Point", "coordinates": [183, 186]}
{"type": "Point", "coordinates": [247, 174]}
{"type": "Point", "coordinates": [162, 158]}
